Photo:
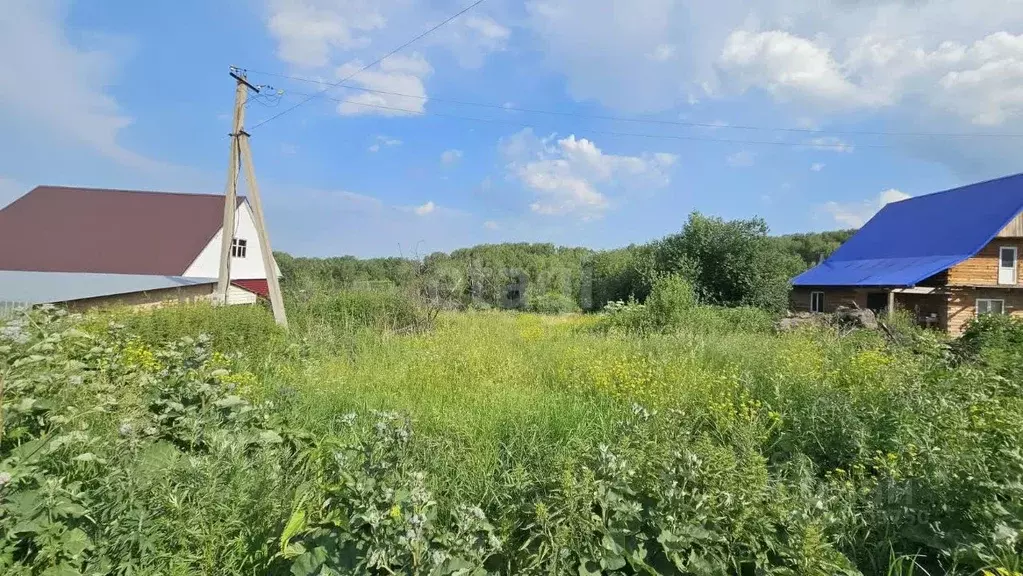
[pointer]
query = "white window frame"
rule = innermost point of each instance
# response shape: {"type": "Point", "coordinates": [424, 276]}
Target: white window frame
{"type": "Point", "coordinates": [239, 247]}
{"type": "Point", "coordinates": [1015, 265]}
{"type": "Point", "coordinates": [817, 309]}
{"type": "Point", "coordinates": [989, 302]}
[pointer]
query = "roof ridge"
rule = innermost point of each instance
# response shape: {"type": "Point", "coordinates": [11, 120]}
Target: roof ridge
{"type": "Point", "coordinates": [957, 188]}
{"type": "Point", "coordinates": [126, 191]}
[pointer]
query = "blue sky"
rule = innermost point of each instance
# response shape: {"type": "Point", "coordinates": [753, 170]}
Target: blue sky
{"type": "Point", "coordinates": [136, 95]}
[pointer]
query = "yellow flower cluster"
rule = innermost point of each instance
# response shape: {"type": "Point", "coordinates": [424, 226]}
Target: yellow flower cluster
{"type": "Point", "coordinates": [866, 369]}
{"type": "Point", "coordinates": [800, 360]}
{"type": "Point", "coordinates": [137, 355]}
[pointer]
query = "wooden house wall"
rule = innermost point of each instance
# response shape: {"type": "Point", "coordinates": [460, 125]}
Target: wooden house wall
{"type": "Point", "coordinates": [962, 305]}
{"type": "Point", "coordinates": [982, 269]}
{"type": "Point", "coordinates": [799, 298]}
{"type": "Point", "coordinates": [1013, 229]}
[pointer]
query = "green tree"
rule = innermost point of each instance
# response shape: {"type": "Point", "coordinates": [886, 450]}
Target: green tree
{"type": "Point", "coordinates": [730, 263]}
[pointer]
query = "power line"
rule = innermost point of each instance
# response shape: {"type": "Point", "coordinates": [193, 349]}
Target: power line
{"type": "Point", "coordinates": [371, 64]}
{"type": "Point", "coordinates": [820, 145]}
{"type": "Point", "coordinates": [687, 124]}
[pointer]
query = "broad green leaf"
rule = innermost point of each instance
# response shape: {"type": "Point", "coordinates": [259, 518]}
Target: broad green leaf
{"type": "Point", "coordinates": [75, 542]}
{"type": "Point", "coordinates": [295, 525]}
{"type": "Point", "coordinates": [307, 564]}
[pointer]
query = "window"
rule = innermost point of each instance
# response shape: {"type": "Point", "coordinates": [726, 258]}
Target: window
{"type": "Point", "coordinates": [990, 306]}
{"type": "Point", "coordinates": [238, 248]}
{"type": "Point", "coordinates": [816, 302]}
{"type": "Point", "coordinates": [1007, 265]}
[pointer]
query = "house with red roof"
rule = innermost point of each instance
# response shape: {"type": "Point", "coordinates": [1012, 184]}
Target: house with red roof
{"type": "Point", "coordinates": [87, 245]}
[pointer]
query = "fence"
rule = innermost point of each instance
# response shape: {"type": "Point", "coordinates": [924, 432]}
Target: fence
{"type": "Point", "coordinates": [8, 309]}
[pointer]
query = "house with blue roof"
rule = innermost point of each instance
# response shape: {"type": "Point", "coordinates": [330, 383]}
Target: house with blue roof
{"type": "Point", "coordinates": [947, 257]}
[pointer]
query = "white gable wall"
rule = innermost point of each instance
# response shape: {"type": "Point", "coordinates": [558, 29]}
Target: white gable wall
{"type": "Point", "coordinates": [207, 264]}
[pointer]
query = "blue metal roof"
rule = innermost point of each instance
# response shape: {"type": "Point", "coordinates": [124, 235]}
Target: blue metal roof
{"type": "Point", "coordinates": [912, 240]}
{"type": "Point", "coordinates": [52, 287]}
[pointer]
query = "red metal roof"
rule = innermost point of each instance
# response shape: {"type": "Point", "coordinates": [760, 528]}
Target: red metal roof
{"type": "Point", "coordinates": [58, 229]}
{"type": "Point", "coordinates": [258, 287]}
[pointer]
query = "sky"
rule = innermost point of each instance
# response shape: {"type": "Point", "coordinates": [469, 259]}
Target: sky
{"type": "Point", "coordinates": [593, 123]}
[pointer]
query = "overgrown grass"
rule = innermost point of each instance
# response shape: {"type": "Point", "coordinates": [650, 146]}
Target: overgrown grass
{"type": "Point", "coordinates": [532, 445]}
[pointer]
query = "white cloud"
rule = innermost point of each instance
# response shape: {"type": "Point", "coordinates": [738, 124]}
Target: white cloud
{"type": "Point", "coordinates": [856, 214]}
{"type": "Point", "coordinates": [398, 74]}
{"type": "Point", "coordinates": [741, 159]}
{"type": "Point", "coordinates": [788, 66]}
{"type": "Point", "coordinates": [308, 32]}
{"type": "Point", "coordinates": [61, 87]}
{"type": "Point", "coordinates": [571, 176]}
{"type": "Point", "coordinates": [384, 142]}
{"type": "Point", "coordinates": [491, 225]}
{"type": "Point", "coordinates": [928, 65]}
{"type": "Point", "coordinates": [425, 208]}
{"type": "Point", "coordinates": [831, 144]}
{"type": "Point", "coordinates": [816, 167]}
{"type": "Point", "coordinates": [289, 149]}
{"type": "Point", "coordinates": [472, 38]}
{"type": "Point", "coordinates": [977, 80]}
{"type": "Point", "coordinates": [450, 156]}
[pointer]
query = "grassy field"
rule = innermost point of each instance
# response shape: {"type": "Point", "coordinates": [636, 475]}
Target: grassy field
{"type": "Point", "coordinates": [369, 439]}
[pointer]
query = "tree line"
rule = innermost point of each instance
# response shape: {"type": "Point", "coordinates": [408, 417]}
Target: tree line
{"type": "Point", "coordinates": [727, 263]}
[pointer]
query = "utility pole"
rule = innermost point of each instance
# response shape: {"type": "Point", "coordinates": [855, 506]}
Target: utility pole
{"type": "Point", "coordinates": [241, 156]}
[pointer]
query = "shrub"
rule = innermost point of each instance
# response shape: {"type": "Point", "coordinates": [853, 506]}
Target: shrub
{"type": "Point", "coordinates": [671, 298]}
{"type": "Point", "coordinates": [552, 303]}
{"type": "Point", "coordinates": [627, 317]}
{"type": "Point", "coordinates": [996, 341]}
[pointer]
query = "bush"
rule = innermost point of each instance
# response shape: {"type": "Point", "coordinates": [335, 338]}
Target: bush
{"type": "Point", "coordinates": [995, 341]}
{"type": "Point", "coordinates": [627, 317]}
{"type": "Point", "coordinates": [552, 303]}
{"type": "Point", "coordinates": [671, 298]}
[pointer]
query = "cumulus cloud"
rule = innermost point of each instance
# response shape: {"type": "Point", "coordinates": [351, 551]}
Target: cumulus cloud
{"type": "Point", "coordinates": [856, 214]}
{"type": "Point", "coordinates": [816, 167]}
{"type": "Point", "coordinates": [789, 67]}
{"type": "Point", "coordinates": [978, 80]}
{"type": "Point", "coordinates": [337, 37]}
{"type": "Point", "coordinates": [927, 65]}
{"type": "Point", "coordinates": [450, 156]}
{"type": "Point", "coordinates": [572, 176]}
{"type": "Point", "coordinates": [491, 225]}
{"type": "Point", "coordinates": [398, 74]}
{"type": "Point", "coordinates": [309, 32]}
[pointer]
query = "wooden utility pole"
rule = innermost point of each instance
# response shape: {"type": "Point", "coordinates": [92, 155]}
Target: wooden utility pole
{"type": "Point", "coordinates": [241, 154]}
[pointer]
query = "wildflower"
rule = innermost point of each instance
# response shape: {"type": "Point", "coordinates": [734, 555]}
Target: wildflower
{"type": "Point", "coordinates": [5, 479]}
{"type": "Point", "coordinates": [125, 429]}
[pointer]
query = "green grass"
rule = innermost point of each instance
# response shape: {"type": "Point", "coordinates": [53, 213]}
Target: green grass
{"type": "Point", "coordinates": [710, 446]}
